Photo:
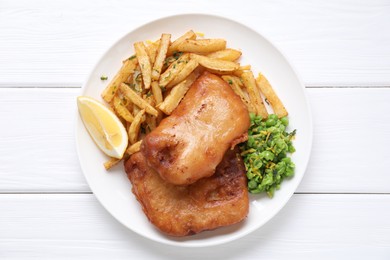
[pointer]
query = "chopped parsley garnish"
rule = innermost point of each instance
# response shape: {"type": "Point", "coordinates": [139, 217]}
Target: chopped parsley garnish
{"type": "Point", "coordinates": [177, 54]}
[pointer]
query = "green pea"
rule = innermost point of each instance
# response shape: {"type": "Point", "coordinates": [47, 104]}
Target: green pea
{"type": "Point", "coordinates": [282, 127]}
{"type": "Point", "coordinates": [270, 122]}
{"type": "Point", "coordinates": [286, 160]}
{"type": "Point", "coordinates": [252, 184]}
{"type": "Point", "coordinates": [289, 172]}
{"type": "Point", "coordinates": [268, 155]}
{"type": "Point", "coordinates": [273, 116]}
{"type": "Point", "coordinates": [255, 191]}
{"type": "Point", "coordinates": [291, 149]}
{"type": "Point", "coordinates": [251, 141]}
{"type": "Point", "coordinates": [284, 121]}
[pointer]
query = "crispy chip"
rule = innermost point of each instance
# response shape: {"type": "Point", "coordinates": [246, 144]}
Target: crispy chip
{"type": "Point", "coordinates": [121, 109]}
{"type": "Point", "coordinates": [161, 54]}
{"type": "Point", "coordinates": [173, 47]}
{"type": "Point", "coordinates": [177, 93]}
{"type": "Point", "coordinates": [188, 68]}
{"type": "Point", "coordinates": [215, 64]}
{"type": "Point", "coordinates": [137, 100]}
{"type": "Point", "coordinates": [125, 71]}
{"type": "Point", "coordinates": [134, 148]}
{"type": "Point", "coordinates": [151, 49]}
{"type": "Point", "coordinates": [111, 163]}
{"type": "Point", "coordinates": [236, 85]}
{"type": "Point", "coordinates": [157, 92]}
{"type": "Point", "coordinates": [135, 126]}
{"type": "Point", "coordinates": [202, 45]}
{"type": "Point", "coordinates": [144, 62]}
{"type": "Point", "coordinates": [226, 54]}
{"type": "Point", "coordinates": [173, 70]}
{"type": "Point", "coordinates": [254, 93]}
{"type": "Point", "coordinates": [271, 96]}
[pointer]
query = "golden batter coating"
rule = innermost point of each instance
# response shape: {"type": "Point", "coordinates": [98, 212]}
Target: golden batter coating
{"type": "Point", "coordinates": [209, 203]}
{"type": "Point", "coordinates": [190, 143]}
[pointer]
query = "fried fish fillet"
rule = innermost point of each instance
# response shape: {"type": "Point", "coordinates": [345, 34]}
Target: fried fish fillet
{"type": "Point", "coordinates": [190, 143]}
{"type": "Point", "coordinates": [212, 202]}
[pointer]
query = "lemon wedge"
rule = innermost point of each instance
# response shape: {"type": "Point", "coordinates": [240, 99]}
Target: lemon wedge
{"type": "Point", "coordinates": [103, 126]}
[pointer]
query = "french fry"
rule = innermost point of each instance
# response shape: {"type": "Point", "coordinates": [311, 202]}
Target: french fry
{"type": "Point", "coordinates": [236, 85]}
{"type": "Point", "coordinates": [271, 96]}
{"type": "Point", "coordinates": [127, 68]}
{"type": "Point", "coordinates": [245, 67]}
{"type": "Point", "coordinates": [233, 81]}
{"type": "Point", "coordinates": [157, 92]}
{"type": "Point", "coordinates": [121, 109]}
{"type": "Point", "coordinates": [137, 100]}
{"type": "Point", "coordinates": [150, 120]}
{"type": "Point", "coordinates": [151, 49]}
{"type": "Point", "coordinates": [128, 104]}
{"type": "Point", "coordinates": [144, 62]}
{"type": "Point", "coordinates": [135, 126]}
{"type": "Point", "coordinates": [169, 60]}
{"type": "Point", "coordinates": [190, 35]}
{"type": "Point", "coordinates": [241, 70]}
{"type": "Point", "coordinates": [226, 54]}
{"type": "Point", "coordinates": [171, 72]}
{"type": "Point", "coordinates": [136, 80]}
{"type": "Point", "coordinates": [202, 45]}
{"type": "Point", "coordinates": [134, 148]}
{"type": "Point", "coordinates": [215, 64]}
{"type": "Point", "coordinates": [177, 93]}
{"type": "Point", "coordinates": [254, 93]}
{"type": "Point", "coordinates": [161, 55]}
{"type": "Point", "coordinates": [128, 124]}
{"type": "Point", "coordinates": [238, 72]}
{"type": "Point", "coordinates": [186, 70]}
{"type": "Point", "coordinates": [136, 110]}
{"type": "Point", "coordinates": [111, 163]}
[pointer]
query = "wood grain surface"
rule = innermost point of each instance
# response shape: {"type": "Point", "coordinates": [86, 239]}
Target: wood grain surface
{"type": "Point", "coordinates": [344, 43]}
{"type": "Point", "coordinates": [314, 226]}
{"type": "Point", "coordinates": [341, 210]}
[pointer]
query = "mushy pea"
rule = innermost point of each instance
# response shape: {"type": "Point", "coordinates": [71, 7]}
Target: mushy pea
{"type": "Point", "coordinates": [266, 153]}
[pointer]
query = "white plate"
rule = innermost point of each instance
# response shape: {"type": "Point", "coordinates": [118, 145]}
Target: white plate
{"type": "Point", "coordinates": [113, 189]}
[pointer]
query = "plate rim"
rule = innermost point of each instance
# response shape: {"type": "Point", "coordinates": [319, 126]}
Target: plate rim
{"type": "Point", "coordinates": [222, 240]}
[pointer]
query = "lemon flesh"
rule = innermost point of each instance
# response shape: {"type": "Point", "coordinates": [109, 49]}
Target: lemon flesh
{"type": "Point", "coordinates": [104, 126]}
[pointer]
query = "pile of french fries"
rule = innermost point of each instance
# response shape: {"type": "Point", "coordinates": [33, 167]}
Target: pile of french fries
{"type": "Point", "coordinates": [152, 82]}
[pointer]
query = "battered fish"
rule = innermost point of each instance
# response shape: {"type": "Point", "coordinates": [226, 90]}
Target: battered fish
{"type": "Point", "coordinates": [190, 143]}
{"type": "Point", "coordinates": [212, 202]}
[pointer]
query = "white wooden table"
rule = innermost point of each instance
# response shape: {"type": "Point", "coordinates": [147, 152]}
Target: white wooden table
{"type": "Point", "coordinates": [341, 210]}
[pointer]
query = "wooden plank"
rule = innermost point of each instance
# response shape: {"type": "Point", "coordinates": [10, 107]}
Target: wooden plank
{"type": "Point", "coordinates": [309, 227]}
{"type": "Point", "coordinates": [37, 146]}
{"type": "Point", "coordinates": [37, 141]}
{"type": "Point", "coordinates": [57, 43]}
{"type": "Point", "coordinates": [351, 141]}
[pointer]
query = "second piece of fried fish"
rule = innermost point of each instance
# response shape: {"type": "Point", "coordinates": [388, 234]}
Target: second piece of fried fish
{"type": "Point", "coordinates": [209, 203]}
